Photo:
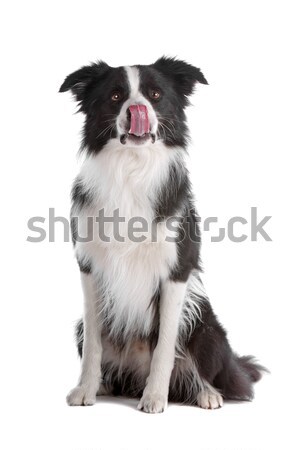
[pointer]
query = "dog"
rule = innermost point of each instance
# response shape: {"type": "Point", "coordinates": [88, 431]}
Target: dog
{"type": "Point", "coordinates": [148, 329]}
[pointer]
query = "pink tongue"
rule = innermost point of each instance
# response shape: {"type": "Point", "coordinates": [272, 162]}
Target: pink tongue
{"type": "Point", "coordinates": [139, 123]}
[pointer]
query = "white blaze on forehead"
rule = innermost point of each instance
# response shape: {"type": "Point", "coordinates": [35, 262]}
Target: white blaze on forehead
{"type": "Point", "coordinates": [136, 97]}
{"type": "Point", "coordinates": [133, 75]}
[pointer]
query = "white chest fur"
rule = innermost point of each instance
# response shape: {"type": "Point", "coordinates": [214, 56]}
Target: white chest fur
{"type": "Point", "coordinates": [127, 180]}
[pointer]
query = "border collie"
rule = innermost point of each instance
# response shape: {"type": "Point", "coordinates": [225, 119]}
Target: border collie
{"type": "Point", "coordinates": [148, 329]}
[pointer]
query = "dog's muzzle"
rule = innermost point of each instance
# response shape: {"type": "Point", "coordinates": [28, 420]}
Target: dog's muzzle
{"type": "Point", "coordinates": [139, 120]}
{"type": "Point", "coordinates": [139, 130]}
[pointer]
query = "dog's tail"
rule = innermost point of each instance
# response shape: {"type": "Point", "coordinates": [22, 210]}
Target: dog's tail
{"type": "Point", "coordinates": [236, 379]}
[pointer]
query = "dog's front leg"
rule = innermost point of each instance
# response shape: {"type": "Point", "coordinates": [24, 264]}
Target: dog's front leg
{"type": "Point", "coordinates": [85, 392]}
{"type": "Point", "coordinates": [155, 395]}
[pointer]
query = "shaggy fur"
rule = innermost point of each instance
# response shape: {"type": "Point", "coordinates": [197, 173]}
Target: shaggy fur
{"type": "Point", "coordinates": [148, 330]}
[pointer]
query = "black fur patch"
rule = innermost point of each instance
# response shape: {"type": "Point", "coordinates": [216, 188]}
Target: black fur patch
{"type": "Point", "coordinates": [183, 75]}
{"type": "Point", "coordinates": [74, 229]}
{"type": "Point", "coordinates": [174, 194]}
{"type": "Point", "coordinates": [85, 266]}
{"type": "Point", "coordinates": [79, 336]}
{"type": "Point", "coordinates": [217, 363]}
{"type": "Point", "coordinates": [175, 200]}
{"type": "Point", "coordinates": [93, 87]}
{"type": "Point", "coordinates": [188, 248]}
{"type": "Point", "coordinates": [80, 197]}
{"type": "Point", "coordinates": [172, 127]}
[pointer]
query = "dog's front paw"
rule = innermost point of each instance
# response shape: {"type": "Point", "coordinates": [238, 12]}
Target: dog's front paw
{"type": "Point", "coordinates": [153, 402]}
{"type": "Point", "coordinates": [81, 396]}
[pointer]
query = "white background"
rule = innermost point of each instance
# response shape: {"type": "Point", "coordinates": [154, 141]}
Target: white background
{"type": "Point", "coordinates": [244, 153]}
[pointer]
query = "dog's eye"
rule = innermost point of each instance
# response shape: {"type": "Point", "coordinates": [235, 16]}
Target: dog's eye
{"type": "Point", "coordinates": [116, 96]}
{"type": "Point", "coordinates": [154, 94]}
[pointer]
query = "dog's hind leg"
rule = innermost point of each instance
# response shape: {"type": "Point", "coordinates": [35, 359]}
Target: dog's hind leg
{"type": "Point", "coordinates": [209, 397]}
{"type": "Point", "coordinates": [189, 387]}
{"type": "Point", "coordinates": [222, 371]}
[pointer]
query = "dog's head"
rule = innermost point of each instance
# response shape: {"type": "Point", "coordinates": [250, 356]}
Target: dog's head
{"type": "Point", "coordinates": [136, 104]}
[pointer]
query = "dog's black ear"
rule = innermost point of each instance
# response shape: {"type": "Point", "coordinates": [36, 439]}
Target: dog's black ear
{"type": "Point", "coordinates": [185, 75]}
{"type": "Point", "coordinates": [79, 81]}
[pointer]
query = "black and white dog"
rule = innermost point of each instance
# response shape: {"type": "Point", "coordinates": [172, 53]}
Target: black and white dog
{"type": "Point", "coordinates": [148, 329]}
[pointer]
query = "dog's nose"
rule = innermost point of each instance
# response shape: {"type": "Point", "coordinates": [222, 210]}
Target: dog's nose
{"type": "Point", "coordinates": [139, 120]}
